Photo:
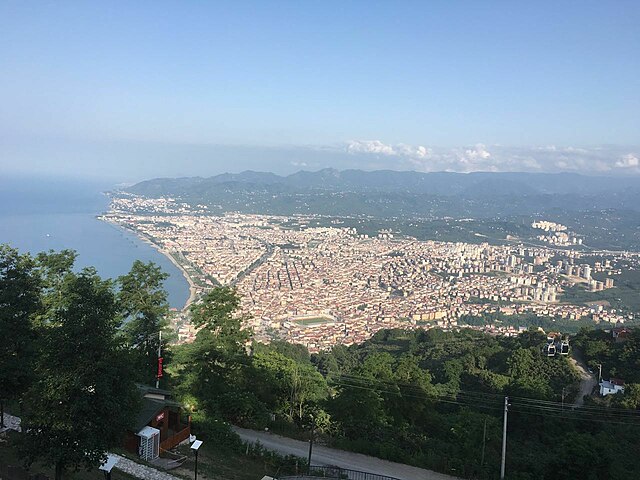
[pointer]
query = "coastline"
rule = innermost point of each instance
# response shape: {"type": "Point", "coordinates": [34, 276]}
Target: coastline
{"type": "Point", "coordinates": [192, 286]}
{"type": "Point", "coordinates": [193, 292]}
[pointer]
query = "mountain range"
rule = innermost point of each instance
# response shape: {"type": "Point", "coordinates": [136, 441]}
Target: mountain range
{"type": "Point", "coordinates": [606, 210]}
{"type": "Point", "coordinates": [468, 185]}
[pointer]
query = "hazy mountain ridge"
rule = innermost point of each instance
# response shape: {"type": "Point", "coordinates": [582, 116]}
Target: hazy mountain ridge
{"type": "Point", "coordinates": [436, 183]}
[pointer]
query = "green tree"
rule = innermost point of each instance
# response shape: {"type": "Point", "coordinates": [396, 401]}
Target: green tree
{"type": "Point", "coordinates": [630, 398]}
{"type": "Point", "coordinates": [214, 367]}
{"type": "Point", "coordinates": [527, 376]}
{"type": "Point", "coordinates": [84, 395]}
{"type": "Point", "coordinates": [288, 385]}
{"type": "Point", "coordinates": [53, 266]}
{"type": "Point", "coordinates": [144, 308]}
{"type": "Point", "coordinates": [20, 301]}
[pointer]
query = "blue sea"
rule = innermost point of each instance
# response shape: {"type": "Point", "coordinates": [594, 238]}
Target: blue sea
{"type": "Point", "coordinates": [43, 214]}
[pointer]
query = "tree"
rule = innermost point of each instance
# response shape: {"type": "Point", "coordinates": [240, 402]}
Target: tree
{"type": "Point", "coordinates": [53, 267]}
{"type": "Point", "coordinates": [630, 398]}
{"type": "Point", "coordinates": [288, 385]}
{"type": "Point", "coordinates": [144, 308]}
{"type": "Point", "coordinates": [20, 285]}
{"type": "Point", "coordinates": [214, 367]}
{"type": "Point", "coordinates": [84, 395]}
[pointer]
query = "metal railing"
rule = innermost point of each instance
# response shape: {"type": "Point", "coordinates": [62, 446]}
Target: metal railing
{"type": "Point", "coordinates": [176, 438]}
{"type": "Point", "coordinates": [345, 473]}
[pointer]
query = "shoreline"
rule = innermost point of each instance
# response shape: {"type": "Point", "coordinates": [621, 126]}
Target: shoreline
{"type": "Point", "coordinates": [192, 286]}
{"type": "Point", "coordinates": [193, 292]}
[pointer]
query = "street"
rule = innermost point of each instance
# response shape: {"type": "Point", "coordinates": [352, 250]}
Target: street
{"type": "Point", "coordinates": [340, 458]}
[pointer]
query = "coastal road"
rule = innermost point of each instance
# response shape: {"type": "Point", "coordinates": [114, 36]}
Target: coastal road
{"type": "Point", "coordinates": [330, 456]}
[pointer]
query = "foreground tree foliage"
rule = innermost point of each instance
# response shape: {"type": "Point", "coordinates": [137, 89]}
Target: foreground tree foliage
{"type": "Point", "coordinates": [241, 382]}
{"type": "Point", "coordinates": [142, 302]}
{"type": "Point", "coordinates": [20, 302]}
{"type": "Point", "coordinates": [213, 368]}
{"type": "Point", "coordinates": [63, 359]}
{"type": "Point", "coordinates": [83, 395]}
{"type": "Point", "coordinates": [292, 387]}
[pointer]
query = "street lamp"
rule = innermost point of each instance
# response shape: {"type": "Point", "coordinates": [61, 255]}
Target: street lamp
{"type": "Point", "coordinates": [109, 463]}
{"type": "Point", "coordinates": [195, 446]}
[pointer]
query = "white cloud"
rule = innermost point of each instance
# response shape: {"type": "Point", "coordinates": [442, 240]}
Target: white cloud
{"type": "Point", "coordinates": [478, 153]}
{"type": "Point", "coordinates": [628, 161]}
{"type": "Point", "coordinates": [379, 148]}
{"type": "Point", "coordinates": [370, 146]}
{"type": "Point", "coordinates": [499, 158]}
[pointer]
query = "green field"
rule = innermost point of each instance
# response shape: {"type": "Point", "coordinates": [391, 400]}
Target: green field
{"type": "Point", "coordinates": [314, 320]}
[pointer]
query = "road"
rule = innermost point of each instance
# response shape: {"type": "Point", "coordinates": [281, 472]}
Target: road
{"type": "Point", "coordinates": [587, 380]}
{"type": "Point", "coordinates": [330, 456]}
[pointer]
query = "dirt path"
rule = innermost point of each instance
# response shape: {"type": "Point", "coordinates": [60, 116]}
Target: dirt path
{"type": "Point", "coordinates": [339, 458]}
{"type": "Point", "coordinates": [587, 380]}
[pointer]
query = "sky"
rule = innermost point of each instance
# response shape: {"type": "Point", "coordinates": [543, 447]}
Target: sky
{"type": "Point", "coordinates": [134, 90]}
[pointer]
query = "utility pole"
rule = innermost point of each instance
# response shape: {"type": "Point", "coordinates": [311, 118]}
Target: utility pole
{"type": "Point", "coordinates": [563, 398]}
{"type": "Point", "coordinates": [159, 357]}
{"type": "Point", "coordinates": [599, 372]}
{"type": "Point", "coordinates": [484, 439]}
{"type": "Point", "coordinates": [504, 438]}
{"type": "Point", "coordinates": [313, 424]}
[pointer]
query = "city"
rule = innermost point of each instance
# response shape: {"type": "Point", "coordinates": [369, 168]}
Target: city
{"type": "Point", "coordinates": [321, 286]}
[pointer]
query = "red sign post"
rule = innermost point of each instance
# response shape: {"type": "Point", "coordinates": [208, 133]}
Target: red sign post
{"type": "Point", "coordinates": [159, 367]}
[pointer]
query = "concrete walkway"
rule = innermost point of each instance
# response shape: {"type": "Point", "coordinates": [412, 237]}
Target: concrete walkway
{"type": "Point", "coordinates": [141, 471]}
{"type": "Point", "coordinates": [339, 458]}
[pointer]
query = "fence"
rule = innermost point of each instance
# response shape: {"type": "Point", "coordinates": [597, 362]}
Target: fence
{"type": "Point", "coordinates": [176, 439]}
{"type": "Point", "coordinates": [344, 473]}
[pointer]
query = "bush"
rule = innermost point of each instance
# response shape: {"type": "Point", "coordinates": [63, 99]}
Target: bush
{"type": "Point", "coordinates": [214, 429]}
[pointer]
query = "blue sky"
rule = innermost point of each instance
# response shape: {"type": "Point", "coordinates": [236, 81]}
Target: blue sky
{"type": "Point", "coordinates": [138, 89]}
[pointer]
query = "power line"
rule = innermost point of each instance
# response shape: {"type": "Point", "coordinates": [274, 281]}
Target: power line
{"type": "Point", "coordinates": [488, 400]}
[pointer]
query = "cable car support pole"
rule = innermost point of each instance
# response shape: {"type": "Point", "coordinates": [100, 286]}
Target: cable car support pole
{"type": "Point", "coordinates": [504, 438]}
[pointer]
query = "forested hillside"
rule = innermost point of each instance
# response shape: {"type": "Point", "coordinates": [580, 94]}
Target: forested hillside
{"type": "Point", "coordinates": [615, 358]}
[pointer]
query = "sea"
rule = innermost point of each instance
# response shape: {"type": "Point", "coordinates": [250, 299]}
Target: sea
{"type": "Point", "coordinates": [42, 214]}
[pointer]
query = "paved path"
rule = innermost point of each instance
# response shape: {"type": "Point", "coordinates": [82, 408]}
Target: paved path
{"type": "Point", "coordinates": [339, 458]}
{"type": "Point", "coordinates": [141, 471]}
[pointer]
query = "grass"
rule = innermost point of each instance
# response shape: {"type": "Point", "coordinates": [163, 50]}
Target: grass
{"type": "Point", "coordinates": [213, 463]}
{"type": "Point", "coordinates": [10, 456]}
{"type": "Point", "coordinates": [224, 464]}
{"type": "Point", "coordinates": [315, 320]}
{"type": "Point", "coordinates": [622, 297]}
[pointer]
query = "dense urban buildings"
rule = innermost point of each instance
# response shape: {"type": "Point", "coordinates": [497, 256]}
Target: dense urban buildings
{"type": "Point", "coordinates": [321, 286]}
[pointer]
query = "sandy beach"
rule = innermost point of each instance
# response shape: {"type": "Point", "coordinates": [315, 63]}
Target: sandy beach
{"type": "Point", "coordinates": [192, 287]}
